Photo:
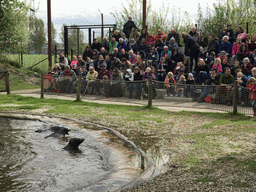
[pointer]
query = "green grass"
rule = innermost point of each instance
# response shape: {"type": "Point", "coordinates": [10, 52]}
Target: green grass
{"type": "Point", "coordinates": [31, 59]}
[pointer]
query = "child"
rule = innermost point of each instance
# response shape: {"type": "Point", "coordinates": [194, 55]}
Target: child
{"type": "Point", "coordinates": [74, 65]}
{"type": "Point", "coordinates": [161, 69]}
{"type": "Point", "coordinates": [210, 60]}
{"type": "Point", "coordinates": [170, 88]}
{"type": "Point", "coordinates": [251, 87]}
{"type": "Point", "coordinates": [179, 70]}
{"type": "Point", "coordinates": [223, 55]}
{"type": "Point", "coordinates": [217, 65]}
{"type": "Point", "coordinates": [190, 88]}
{"type": "Point", "coordinates": [180, 88]}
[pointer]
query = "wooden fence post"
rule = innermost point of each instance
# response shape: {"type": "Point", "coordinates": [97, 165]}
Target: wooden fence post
{"type": "Point", "coordinates": [79, 87]}
{"type": "Point", "coordinates": [150, 91]}
{"type": "Point", "coordinates": [7, 82]}
{"type": "Point", "coordinates": [235, 98]}
{"type": "Point", "coordinates": [42, 84]}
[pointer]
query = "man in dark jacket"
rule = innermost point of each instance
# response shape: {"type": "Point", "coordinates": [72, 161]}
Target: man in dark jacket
{"type": "Point", "coordinates": [174, 35]}
{"type": "Point", "coordinates": [192, 45]}
{"type": "Point", "coordinates": [213, 46]}
{"type": "Point", "coordinates": [128, 27]}
{"type": "Point", "coordinates": [96, 45]}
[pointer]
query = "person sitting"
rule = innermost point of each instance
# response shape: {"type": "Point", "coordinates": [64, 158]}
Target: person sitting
{"type": "Point", "coordinates": [160, 35]}
{"type": "Point", "coordinates": [246, 67]}
{"type": "Point", "coordinates": [123, 36]}
{"type": "Point", "coordinates": [116, 54]}
{"type": "Point", "coordinates": [241, 81]}
{"type": "Point", "coordinates": [213, 46]}
{"type": "Point", "coordinates": [63, 61]}
{"type": "Point", "coordinates": [105, 44]}
{"type": "Point", "coordinates": [121, 45]}
{"type": "Point", "coordinates": [212, 80]}
{"type": "Point", "coordinates": [203, 39]}
{"type": "Point", "coordinates": [116, 35]}
{"type": "Point", "coordinates": [172, 44]}
{"type": "Point", "coordinates": [181, 86]}
{"type": "Point", "coordinates": [179, 70]}
{"type": "Point", "coordinates": [125, 64]}
{"type": "Point", "coordinates": [83, 72]}
{"type": "Point", "coordinates": [133, 45]}
{"type": "Point", "coordinates": [159, 45]}
{"type": "Point", "coordinates": [166, 51]}
{"type": "Point", "coordinates": [176, 56]}
{"type": "Point", "coordinates": [143, 35]}
{"type": "Point", "coordinates": [153, 56]}
{"type": "Point", "coordinates": [161, 70]}
{"type": "Point", "coordinates": [143, 46]}
{"type": "Point", "coordinates": [81, 62]}
{"type": "Point", "coordinates": [123, 54]}
{"type": "Point", "coordinates": [135, 35]}
{"type": "Point", "coordinates": [96, 45]}
{"type": "Point", "coordinates": [170, 87]}
{"type": "Point", "coordinates": [235, 49]}
{"type": "Point", "coordinates": [230, 34]}
{"type": "Point", "coordinates": [240, 33]}
{"type": "Point", "coordinates": [201, 72]}
{"type": "Point", "coordinates": [115, 89]}
{"type": "Point", "coordinates": [150, 38]}
{"type": "Point", "coordinates": [217, 65]}
{"type": "Point", "coordinates": [116, 63]}
{"type": "Point", "coordinates": [226, 46]}
{"type": "Point", "coordinates": [139, 63]}
{"type": "Point", "coordinates": [112, 45]}
{"type": "Point", "coordinates": [99, 83]}
{"type": "Point", "coordinates": [89, 63]}
{"type": "Point", "coordinates": [74, 65]}
{"type": "Point", "coordinates": [89, 80]}
{"type": "Point", "coordinates": [210, 60]}
{"type": "Point", "coordinates": [103, 52]}
{"type": "Point", "coordinates": [132, 57]}
{"type": "Point", "coordinates": [67, 79]}
{"type": "Point", "coordinates": [148, 73]}
{"type": "Point", "coordinates": [87, 52]}
{"type": "Point", "coordinates": [95, 56]}
{"type": "Point", "coordinates": [226, 81]}
{"type": "Point", "coordinates": [136, 85]}
{"type": "Point", "coordinates": [252, 44]}
{"type": "Point", "coordinates": [100, 62]}
{"type": "Point", "coordinates": [243, 52]}
{"type": "Point", "coordinates": [189, 88]}
{"type": "Point", "coordinates": [175, 35]}
{"type": "Point", "coordinates": [222, 34]}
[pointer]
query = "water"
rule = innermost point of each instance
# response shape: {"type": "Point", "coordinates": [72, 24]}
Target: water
{"type": "Point", "coordinates": [28, 162]}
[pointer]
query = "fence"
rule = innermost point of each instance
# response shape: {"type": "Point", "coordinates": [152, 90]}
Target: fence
{"type": "Point", "coordinates": [234, 99]}
{"type": "Point", "coordinates": [5, 76]}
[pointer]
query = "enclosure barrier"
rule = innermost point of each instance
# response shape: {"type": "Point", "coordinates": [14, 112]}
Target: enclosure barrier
{"type": "Point", "coordinates": [5, 76]}
{"type": "Point", "coordinates": [235, 99]}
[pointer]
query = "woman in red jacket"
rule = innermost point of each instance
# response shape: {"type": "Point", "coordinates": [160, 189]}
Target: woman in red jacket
{"type": "Point", "coordinates": [251, 88]}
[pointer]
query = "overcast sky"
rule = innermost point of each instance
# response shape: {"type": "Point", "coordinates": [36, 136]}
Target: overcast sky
{"type": "Point", "coordinates": [82, 12]}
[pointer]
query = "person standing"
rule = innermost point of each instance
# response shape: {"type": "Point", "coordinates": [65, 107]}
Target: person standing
{"type": "Point", "coordinates": [192, 45]}
{"type": "Point", "coordinates": [128, 27]}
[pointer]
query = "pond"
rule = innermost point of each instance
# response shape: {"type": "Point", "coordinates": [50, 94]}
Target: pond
{"type": "Point", "coordinates": [29, 162]}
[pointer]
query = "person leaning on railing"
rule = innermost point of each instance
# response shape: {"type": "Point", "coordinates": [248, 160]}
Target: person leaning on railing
{"type": "Point", "coordinates": [226, 82]}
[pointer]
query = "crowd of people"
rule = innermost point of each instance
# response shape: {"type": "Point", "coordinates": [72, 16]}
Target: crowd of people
{"type": "Point", "coordinates": [134, 55]}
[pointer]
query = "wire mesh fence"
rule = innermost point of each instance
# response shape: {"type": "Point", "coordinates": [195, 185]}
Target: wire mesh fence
{"type": "Point", "coordinates": [221, 98]}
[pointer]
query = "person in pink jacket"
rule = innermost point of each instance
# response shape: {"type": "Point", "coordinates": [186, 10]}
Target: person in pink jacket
{"type": "Point", "coordinates": [217, 65]}
{"type": "Point", "coordinates": [236, 45]}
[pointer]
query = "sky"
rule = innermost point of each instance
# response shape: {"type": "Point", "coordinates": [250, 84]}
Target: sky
{"type": "Point", "coordinates": [83, 12]}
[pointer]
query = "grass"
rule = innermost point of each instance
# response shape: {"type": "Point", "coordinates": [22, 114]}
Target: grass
{"type": "Point", "coordinates": [31, 59]}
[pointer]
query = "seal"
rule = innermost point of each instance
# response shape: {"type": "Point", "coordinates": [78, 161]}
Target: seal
{"type": "Point", "coordinates": [58, 132]}
{"type": "Point", "coordinates": [73, 144]}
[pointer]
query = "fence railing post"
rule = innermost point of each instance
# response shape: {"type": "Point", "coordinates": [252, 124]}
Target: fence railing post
{"type": "Point", "coordinates": [235, 98]}
{"type": "Point", "coordinates": [7, 82]}
{"type": "Point", "coordinates": [150, 91]}
{"type": "Point", "coordinates": [79, 87]}
{"type": "Point", "coordinates": [42, 84]}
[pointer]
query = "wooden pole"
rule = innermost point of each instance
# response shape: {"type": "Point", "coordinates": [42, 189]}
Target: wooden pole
{"type": "Point", "coordinates": [144, 12]}
{"type": "Point", "coordinates": [79, 87]}
{"type": "Point", "coordinates": [150, 91]}
{"type": "Point", "coordinates": [7, 82]}
{"type": "Point", "coordinates": [102, 28]}
{"type": "Point", "coordinates": [235, 98]}
{"type": "Point", "coordinates": [49, 34]}
{"type": "Point", "coordinates": [42, 84]}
